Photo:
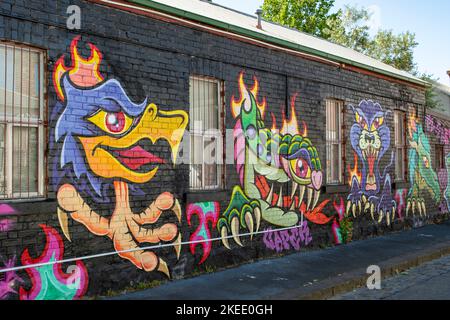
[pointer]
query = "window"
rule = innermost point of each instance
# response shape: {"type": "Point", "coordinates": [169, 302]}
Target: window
{"type": "Point", "coordinates": [206, 133]}
{"type": "Point", "coordinates": [21, 122]}
{"type": "Point", "coordinates": [439, 153]}
{"type": "Point", "coordinates": [334, 141]}
{"type": "Point", "coordinates": [400, 145]}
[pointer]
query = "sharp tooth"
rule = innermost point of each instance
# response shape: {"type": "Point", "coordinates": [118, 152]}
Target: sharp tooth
{"type": "Point", "coordinates": [64, 222]}
{"type": "Point", "coordinates": [301, 195]}
{"type": "Point", "coordinates": [294, 189]}
{"type": "Point", "coordinates": [235, 231]}
{"type": "Point", "coordinates": [380, 216]}
{"type": "Point", "coordinates": [270, 196]}
{"type": "Point", "coordinates": [354, 210]}
{"type": "Point", "coordinates": [349, 205]}
{"type": "Point", "coordinates": [224, 235]}
{"type": "Point", "coordinates": [163, 268]}
{"type": "Point", "coordinates": [177, 210]}
{"type": "Point", "coordinates": [408, 206]}
{"type": "Point", "coordinates": [310, 193]}
{"type": "Point", "coordinates": [249, 223]}
{"type": "Point", "coordinates": [257, 213]}
{"type": "Point", "coordinates": [178, 246]}
{"type": "Point", "coordinates": [280, 198]}
{"type": "Point", "coordinates": [316, 198]}
{"type": "Point", "coordinates": [372, 211]}
{"type": "Point", "coordinates": [424, 209]}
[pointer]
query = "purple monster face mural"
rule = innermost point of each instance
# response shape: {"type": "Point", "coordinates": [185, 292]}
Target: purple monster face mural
{"type": "Point", "coordinates": [370, 138]}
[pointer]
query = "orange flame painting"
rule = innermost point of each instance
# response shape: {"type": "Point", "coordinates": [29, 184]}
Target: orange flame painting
{"type": "Point", "coordinates": [83, 72]}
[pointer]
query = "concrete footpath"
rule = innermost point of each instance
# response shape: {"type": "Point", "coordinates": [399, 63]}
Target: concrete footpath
{"type": "Point", "coordinates": [317, 274]}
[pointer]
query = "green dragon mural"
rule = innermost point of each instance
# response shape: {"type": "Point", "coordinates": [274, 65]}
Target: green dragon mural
{"type": "Point", "coordinates": [268, 160]}
{"type": "Point", "coordinates": [421, 173]}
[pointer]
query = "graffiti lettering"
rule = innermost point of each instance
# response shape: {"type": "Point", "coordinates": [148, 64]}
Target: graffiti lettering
{"type": "Point", "coordinates": [287, 239]}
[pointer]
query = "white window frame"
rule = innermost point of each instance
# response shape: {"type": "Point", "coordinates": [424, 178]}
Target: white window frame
{"type": "Point", "coordinates": [12, 122]}
{"type": "Point", "coordinates": [208, 135]}
{"type": "Point", "coordinates": [400, 146]}
{"type": "Point", "coordinates": [338, 141]}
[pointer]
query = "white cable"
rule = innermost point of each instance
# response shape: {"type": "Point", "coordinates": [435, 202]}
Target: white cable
{"type": "Point", "coordinates": [36, 265]}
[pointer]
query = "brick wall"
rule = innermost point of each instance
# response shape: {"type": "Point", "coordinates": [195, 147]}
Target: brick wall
{"type": "Point", "coordinates": [154, 59]}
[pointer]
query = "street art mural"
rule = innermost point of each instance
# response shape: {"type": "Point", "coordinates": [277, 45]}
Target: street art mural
{"type": "Point", "coordinates": [437, 128]}
{"type": "Point", "coordinates": [292, 239]}
{"type": "Point", "coordinates": [447, 190]}
{"type": "Point", "coordinates": [422, 177]}
{"type": "Point", "coordinates": [107, 151]}
{"type": "Point", "coordinates": [5, 225]}
{"type": "Point", "coordinates": [371, 190]}
{"type": "Point", "coordinates": [50, 282]}
{"type": "Point", "coordinates": [208, 215]}
{"type": "Point", "coordinates": [9, 279]}
{"type": "Point", "coordinates": [400, 199]}
{"type": "Point", "coordinates": [342, 226]}
{"type": "Point", "coordinates": [268, 159]}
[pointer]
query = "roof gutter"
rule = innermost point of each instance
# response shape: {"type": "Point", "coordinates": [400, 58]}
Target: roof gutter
{"type": "Point", "coordinates": [268, 39]}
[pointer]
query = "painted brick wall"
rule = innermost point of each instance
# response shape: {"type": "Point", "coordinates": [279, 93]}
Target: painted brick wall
{"type": "Point", "coordinates": [154, 59]}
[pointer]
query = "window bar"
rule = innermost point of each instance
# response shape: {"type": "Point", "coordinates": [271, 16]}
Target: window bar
{"type": "Point", "coordinates": [29, 115]}
{"type": "Point", "coordinates": [5, 126]}
{"type": "Point", "coordinates": [202, 128]}
{"type": "Point", "coordinates": [12, 118]}
{"type": "Point", "coordinates": [20, 127]}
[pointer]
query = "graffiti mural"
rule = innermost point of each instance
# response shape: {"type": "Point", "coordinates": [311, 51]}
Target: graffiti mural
{"type": "Point", "coordinates": [371, 190]}
{"type": "Point", "coordinates": [6, 209]}
{"type": "Point", "coordinates": [107, 149]}
{"type": "Point", "coordinates": [5, 225]}
{"type": "Point", "coordinates": [342, 227]}
{"type": "Point", "coordinates": [447, 191]}
{"type": "Point", "coordinates": [207, 213]}
{"type": "Point", "coordinates": [400, 199]}
{"type": "Point", "coordinates": [9, 279]}
{"type": "Point", "coordinates": [282, 240]}
{"type": "Point", "coordinates": [422, 177]}
{"type": "Point", "coordinates": [268, 159]}
{"type": "Point", "coordinates": [50, 282]}
{"type": "Point", "coordinates": [436, 127]}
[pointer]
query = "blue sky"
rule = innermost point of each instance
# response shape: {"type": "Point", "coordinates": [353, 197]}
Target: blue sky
{"type": "Point", "coordinates": [429, 20]}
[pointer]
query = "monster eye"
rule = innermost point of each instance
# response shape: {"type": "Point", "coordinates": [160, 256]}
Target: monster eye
{"type": "Point", "coordinates": [361, 121]}
{"type": "Point", "coordinates": [302, 168]}
{"type": "Point", "coordinates": [426, 162]}
{"type": "Point", "coordinates": [111, 122]}
{"type": "Point", "coordinates": [378, 122]}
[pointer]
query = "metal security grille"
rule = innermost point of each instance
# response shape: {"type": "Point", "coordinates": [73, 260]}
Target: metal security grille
{"type": "Point", "coordinates": [439, 155]}
{"type": "Point", "coordinates": [206, 133]}
{"type": "Point", "coordinates": [22, 128]}
{"type": "Point", "coordinates": [334, 140]}
{"type": "Point", "coordinates": [400, 145]}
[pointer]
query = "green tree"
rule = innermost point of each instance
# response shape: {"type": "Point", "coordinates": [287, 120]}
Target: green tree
{"type": "Point", "coordinates": [310, 16]}
{"type": "Point", "coordinates": [352, 30]}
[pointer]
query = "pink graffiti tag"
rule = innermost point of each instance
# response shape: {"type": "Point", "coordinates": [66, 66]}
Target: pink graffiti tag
{"type": "Point", "coordinates": [288, 239]}
{"type": "Point", "coordinates": [8, 279]}
{"type": "Point", "coordinates": [435, 126]}
{"type": "Point", "coordinates": [5, 225]}
{"type": "Point", "coordinates": [336, 226]}
{"type": "Point", "coordinates": [400, 196]}
{"type": "Point", "coordinates": [206, 212]}
{"type": "Point", "coordinates": [6, 209]}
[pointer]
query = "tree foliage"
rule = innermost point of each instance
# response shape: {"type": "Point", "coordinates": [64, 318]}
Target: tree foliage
{"type": "Point", "coordinates": [310, 16]}
{"type": "Point", "coordinates": [352, 30]}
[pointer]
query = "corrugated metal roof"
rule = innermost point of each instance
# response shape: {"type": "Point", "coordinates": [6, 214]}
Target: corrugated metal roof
{"type": "Point", "coordinates": [247, 22]}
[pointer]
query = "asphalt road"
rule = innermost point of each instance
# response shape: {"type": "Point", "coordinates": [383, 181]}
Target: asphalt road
{"type": "Point", "coordinates": [430, 281]}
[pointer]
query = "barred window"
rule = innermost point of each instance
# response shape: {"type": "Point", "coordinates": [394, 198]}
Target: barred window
{"type": "Point", "coordinates": [440, 159]}
{"type": "Point", "coordinates": [400, 145]}
{"type": "Point", "coordinates": [334, 140]}
{"type": "Point", "coordinates": [206, 133]}
{"type": "Point", "coordinates": [21, 122]}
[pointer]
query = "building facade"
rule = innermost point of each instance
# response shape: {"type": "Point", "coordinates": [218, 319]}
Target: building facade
{"type": "Point", "coordinates": [144, 142]}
